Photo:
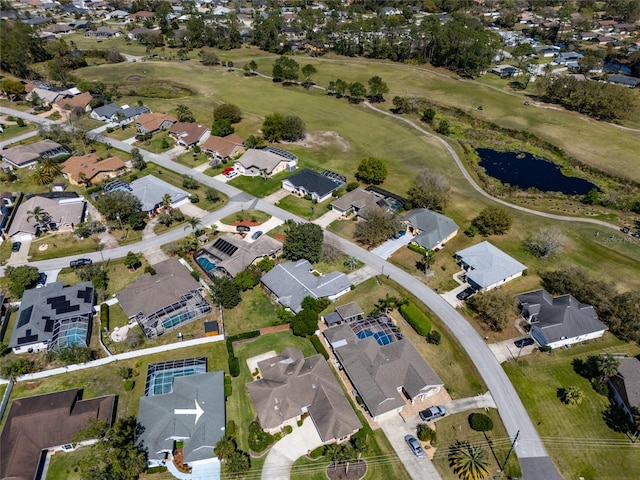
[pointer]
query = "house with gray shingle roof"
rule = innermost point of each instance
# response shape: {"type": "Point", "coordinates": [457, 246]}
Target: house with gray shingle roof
{"type": "Point", "coordinates": [150, 190]}
{"type": "Point", "coordinates": [289, 283]}
{"type": "Point", "coordinates": [292, 385]}
{"type": "Point", "coordinates": [25, 155]}
{"type": "Point", "coordinates": [432, 230]}
{"type": "Point", "coordinates": [487, 267]}
{"type": "Point", "coordinates": [358, 200]}
{"type": "Point", "coordinates": [385, 375]}
{"type": "Point", "coordinates": [560, 321]}
{"type": "Point", "coordinates": [625, 386]}
{"type": "Point", "coordinates": [54, 317]}
{"type": "Point", "coordinates": [194, 413]}
{"type": "Point", "coordinates": [309, 182]}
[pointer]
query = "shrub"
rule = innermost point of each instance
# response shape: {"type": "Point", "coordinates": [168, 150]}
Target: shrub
{"type": "Point", "coordinates": [234, 366]}
{"type": "Point", "coordinates": [434, 337]}
{"type": "Point", "coordinates": [425, 433]}
{"type": "Point", "coordinates": [128, 385]}
{"type": "Point", "coordinates": [317, 344]}
{"type": "Point", "coordinates": [125, 372]}
{"type": "Point", "coordinates": [158, 469]}
{"type": "Point", "coordinates": [150, 269]}
{"type": "Point", "coordinates": [414, 317]}
{"type": "Point", "coordinates": [194, 198]}
{"type": "Point", "coordinates": [317, 452]}
{"type": "Point", "coordinates": [359, 400]}
{"type": "Point", "coordinates": [259, 440]}
{"type": "Point", "coordinates": [299, 423]}
{"type": "Point", "coordinates": [480, 422]}
{"type": "Point", "coordinates": [231, 428]}
{"type": "Point", "coordinates": [288, 429]}
{"type": "Point", "coordinates": [104, 316]}
{"type": "Point", "coordinates": [195, 275]}
{"type": "Point", "coordinates": [228, 389]}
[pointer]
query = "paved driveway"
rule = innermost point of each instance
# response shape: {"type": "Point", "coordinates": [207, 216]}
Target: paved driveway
{"type": "Point", "coordinates": [280, 458]}
{"type": "Point", "coordinates": [21, 256]}
{"type": "Point", "coordinates": [389, 247]}
{"type": "Point", "coordinates": [395, 428]}
{"type": "Point", "coordinates": [507, 351]}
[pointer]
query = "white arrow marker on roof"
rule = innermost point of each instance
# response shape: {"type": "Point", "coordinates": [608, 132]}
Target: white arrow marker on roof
{"type": "Point", "coordinates": [190, 411]}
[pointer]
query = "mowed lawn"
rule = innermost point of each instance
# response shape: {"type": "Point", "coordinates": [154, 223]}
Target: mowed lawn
{"type": "Point", "coordinates": [256, 311]}
{"type": "Point", "coordinates": [576, 436]}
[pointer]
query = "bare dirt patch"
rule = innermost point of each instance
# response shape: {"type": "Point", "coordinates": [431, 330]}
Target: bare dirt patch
{"type": "Point", "coordinates": [323, 139]}
{"type": "Point", "coordinates": [135, 78]}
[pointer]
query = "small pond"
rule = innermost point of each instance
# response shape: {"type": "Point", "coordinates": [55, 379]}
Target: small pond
{"type": "Point", "coordinates": [526, 171]}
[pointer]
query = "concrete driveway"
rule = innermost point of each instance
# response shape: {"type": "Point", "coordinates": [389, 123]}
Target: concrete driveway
{"type": "Point", "coordinates": [328, 218]}
{"type": "Point", "coordinates": [506, 350]}
{"type": "Point", "coordinates": [280, 458]}
{"type": "Point", "coordinates": [21, 256]}
{"type": "Point", "coordinates": [389, 247]}
{"type": "Point", "coordinates": [362, 275]}
{"type": "Point", "coordinates": [395, 428]}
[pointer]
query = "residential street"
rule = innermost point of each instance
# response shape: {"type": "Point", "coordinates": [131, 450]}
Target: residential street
{"type": "Point", "coordinates": [514, 416]}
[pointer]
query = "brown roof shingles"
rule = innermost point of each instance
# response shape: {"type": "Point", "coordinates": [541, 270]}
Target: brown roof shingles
{"type": "Point", "coordinates": [90, 165]}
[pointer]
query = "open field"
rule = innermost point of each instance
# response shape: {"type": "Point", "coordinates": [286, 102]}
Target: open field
{"type": "Point", "coordinates": [602, 453]}
{"type": "Point", "coordinates": [256, 311]}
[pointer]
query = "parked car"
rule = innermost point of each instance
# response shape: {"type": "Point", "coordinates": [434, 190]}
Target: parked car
{"type": "Point", "coordinates": [231, 174]}
{"type": "Point", "coordinates": [433, 413]}
{"type": "Point", "coordinates": [400, 234]}
{"type": "Point", "coordinates": [81, 262]}
{"type": "Point", "coordinates": [16, 246]}
{"type": "Point", "coordinates": [242, 229]}
{"type": "Point", "coordinates": [414, 445]}
{"type": "Point", "coordinates": [257, 235]}
{"type": "Point", "coordinates": [466, 293]}
{"type": "Point", "coordinates": [227, 170]}
{"type": "Point", "coordinates": [524, 342]}
{"type": "Point", "coordinates": [42, 280]}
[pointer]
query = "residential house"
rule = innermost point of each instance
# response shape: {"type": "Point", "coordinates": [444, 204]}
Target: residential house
{"type": "Point", "coordinates": [559, 321]}
{"type": "Point", "coordinates": [138, 33]}
{"type": "Point", "coordinates": [7, 201]}
{"type": "Point", "coordinates": [90, 169]}
{"type": "Point", "coordinates": [142, 15]}
{"type": "Point", "coordinates": [115, 114]}
{"type": "Point", "coordinates": [103, 32]}
{"type": "Point", "coordinates": [487, 267]}
{"type": "Point", "coordinates": [64, 210]}
{"type": "Point", "coordinates": [168, 418]}
{"type": "Point", "coordinates": [383, 366]}
{"type": "Point", "coordinates": [118, 15]}
{"type": "Point", "coordinates": [292, 385]}
{"type": "Point", "coordinates": [42, 423]}
{"type": "Point", "coordinates": [308, 182]}
{"type": "Point", "coordinates": [164, 301]}
{"type": "Point", "coordinates": [431, 229]}
{"type": "Point", "coordinates": [625, 387]}
{"type": "Point", "coordinates": [188, 134]}
{"type": "Point", "coordinates": [150, 191]}
{"type": "Point", "coordinates": [229, 254]}
{"type": "Point", "coordinates": [505, 71]}
{"type": "Point", "coordinates": [349, 312]}
{"type": "Point", "coordinates": [47, 96]}
{"type": "Point", "coordinates": [26, 155]}
{"type": "Point", "coordinates": [81, 101]}
{"type": "Point", "coordinates": [358, 200]}
{"type": "Point", "coordinates": [289, 283]}
{"type": "Point", "coordinates": [154, 122]}
{"type": "Point", "coordinates": [59, 29]}
{"type": "Point", "coordinates": [54, 317]}
{"type": "Point", "coordinates": [266, 162]}
{"type": "Point", "coordinates": [223, 148]}
{"type": "Point", "coordinates": [625, 80]}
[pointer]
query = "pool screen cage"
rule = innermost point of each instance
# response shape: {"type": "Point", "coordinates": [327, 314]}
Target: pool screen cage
{"type": "Point", "coordinates": [160, 375]}
{"type": "Point", "coordinates": [71, 331]}
{"type": "Point", "coordinates": [191, 306]}
{"type": "Point", "coordinates": [380, 324]}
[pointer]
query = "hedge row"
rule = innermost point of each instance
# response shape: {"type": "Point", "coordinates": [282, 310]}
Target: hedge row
{"type": "Point", "coordinates": [417, 248]}
{"type": "Point", "coordinates": [104, 316]}
{"type": "Point", "coordinates": [317, 344]}
{"type": "Point", "coordinates": [418, 320]}
{"type": "Point", "coordinates": [228, 389]}
{"type": "Point", "coordinates": [234, 363]}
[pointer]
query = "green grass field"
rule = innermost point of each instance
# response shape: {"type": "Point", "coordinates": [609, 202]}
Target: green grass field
{"type": "Point", "coordinates": [602, 453]}
{"type": "Point", "coordinates": [11, 131]}
{"type": "Point", "coordinates": [256, 311]}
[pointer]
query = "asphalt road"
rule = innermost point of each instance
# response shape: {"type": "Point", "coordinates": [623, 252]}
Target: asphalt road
{"type": "Point", "coordinates": [514, 416]}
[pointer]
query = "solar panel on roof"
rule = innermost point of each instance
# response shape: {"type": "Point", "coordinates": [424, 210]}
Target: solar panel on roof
{"type": "Point", "coordinates": [25, 316]}
{"type": "Point", "coordinates": [48, 325]}
{"type": "Point", "coordinates": [86, 295]}
{"type": "Point", "coordinates": [52, 300]}
{"type": "Point", "coordinates": [224, 246]}
{"type": "Point", "coordinates": [67, 309]}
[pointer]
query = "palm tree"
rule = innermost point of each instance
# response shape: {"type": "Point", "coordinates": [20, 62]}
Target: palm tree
{"type": "Point", "coordinates": [608, 366]}
{"type": "Point", "coordinates": [572, 396]}
{"type": "Point", "coordinates": [469, 462]}
{"type": "Point", "coordinates": [224, 448]}
{"type": "Point", "coordinates": [48, 166]}
{"type": "Point", "coordinates": [166, 201]}
{"type": "Point", "coordinates": [40, 177]}
{"type": "Point", "coordinates": [40, 216]}
{"type": "Point", "coordinates": [351, 263]}
{"type": "Point", "coordinates": [194, 223]}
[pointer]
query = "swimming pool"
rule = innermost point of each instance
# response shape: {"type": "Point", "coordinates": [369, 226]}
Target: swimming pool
{"type": "Point", "coordinates": [177, 319]}
{"type": "Point", "coordinates": [206, 264]}
{"type": "Point", "coordinates": [381, 337]}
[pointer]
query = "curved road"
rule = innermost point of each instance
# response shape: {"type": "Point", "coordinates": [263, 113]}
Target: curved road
{"type": "Point", "coordinates": [535, 463]}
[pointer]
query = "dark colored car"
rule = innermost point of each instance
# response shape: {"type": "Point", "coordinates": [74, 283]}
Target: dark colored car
{"type": "Point", "coordinates": [400, 234]}
{"type": "Point", "coordinates": [433, 413]}
{"type": "Point", "coordinates": [81, 262]}
{"type": "Point", "coordinates": [414, 445]}
{"type": "Point", "coordinates": [16, 246]}
{"type": "Point", "coordinates": [242, 229]}
{"type": "Point", "coordinates": [42, 280]}
{"type": "Point", "coordinates": [257, 235]}
{"type": "Point", "coordinates": [466, 293]}
{"type": "Point", "coordinates": [523, 342]}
